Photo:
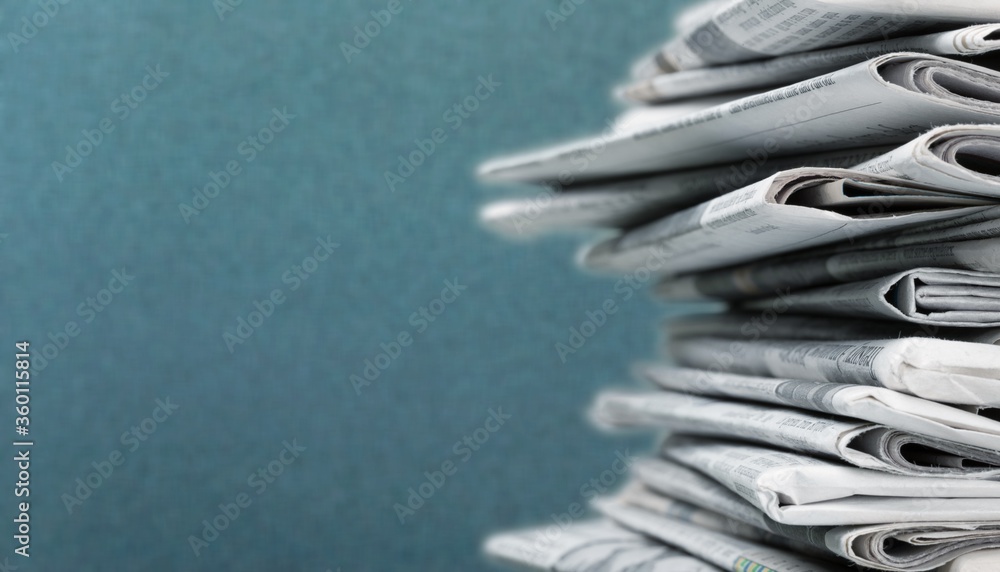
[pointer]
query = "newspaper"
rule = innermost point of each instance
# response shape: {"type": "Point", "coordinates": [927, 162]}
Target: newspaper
{"type": "Point", "coordinates": [873, 404]}
{"type": "Point", "coordinates": [921, 546]}
{"type": "Point", "coordinates": [939, 370]}
{"type": "Point", "coordinates": [725, 551]}
{"type": "Point", "coordinates": [626, 203]}
{"type": "Point", "coordinates": [668, 87]}
{"type": "Point", "coordinates": [932, 296]}
{"type": "Point", "coordinates": [980, 561]}
{"type": "Point", "coordinates": [963, 158]}
{"type": "Point", "coordinates": [977, 226]}
{"type": "Point", "coordinates": [859, 443]}
{"type": "Point", "coordinates": [809, 269]}
{"type": "Point", "coordinates": [590, 546]}
{"type": "Point", "coordinates": [672, 481]}
{"type": "Point", "coordinates": [790, 211]}
{"type": "Point", "coordinates": [772, 325]}
{"type": "Point", "coordinates": [635, 119]}
{"type": "Point", "coordinates": [801, 490]}
{"type": "Point", "coordinates": [886, 100]}
{"type": "Point", "coordinates": [743, 30]}
{"type": "Point", "coordinates": [904, 546]}
{"type": "Point", "coordinates": [639, 495]}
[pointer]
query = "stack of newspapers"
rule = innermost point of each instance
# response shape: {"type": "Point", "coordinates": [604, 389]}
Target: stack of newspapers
{"type": "Point", "coordinates": [830, 171]}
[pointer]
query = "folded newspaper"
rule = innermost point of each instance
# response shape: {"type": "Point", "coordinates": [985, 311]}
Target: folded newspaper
{"type": "Point", "coordinates": [963, 158]}
{"type": "Point", "coordinates": [889, 99]}
{"type": "Point", "coordinates": [859, 443]}
{"type": "Point", "coordinates": [638, 494]}
{"type": "Point", "coordinates": [789, 211]}
{"type": "Point", "coordinates": [770, 324]}
{"type": "Point", "coordinates": [939, 370]}
{"type": "Point", "coordinates": [798, 489]}
{"type": "Point", "coordinates": [723, 550]}
{"type": "Point", "coordinates": [874, 404]}
{"type": "Point", "coordinates": [901, 546]}
{"type": "Point", "coordinates": [980, 561]}
{"type": "Point", "coordinates": [671, 86]}
{"type": "Point", "coordinates": [742, 30]}
{"type": "Point", "coordinates": [932, 296]}
{"type": "Point", "coordinates": [768, 277]}
{"type": "Point", "coordinates": [624, 203]}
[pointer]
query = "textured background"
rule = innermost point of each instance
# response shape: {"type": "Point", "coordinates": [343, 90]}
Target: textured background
{"type": "Point", "coordinates": [322, 176]}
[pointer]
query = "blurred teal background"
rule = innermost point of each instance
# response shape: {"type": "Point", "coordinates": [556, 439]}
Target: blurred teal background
{"type": "Point", "coordinates": [214, 73]}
